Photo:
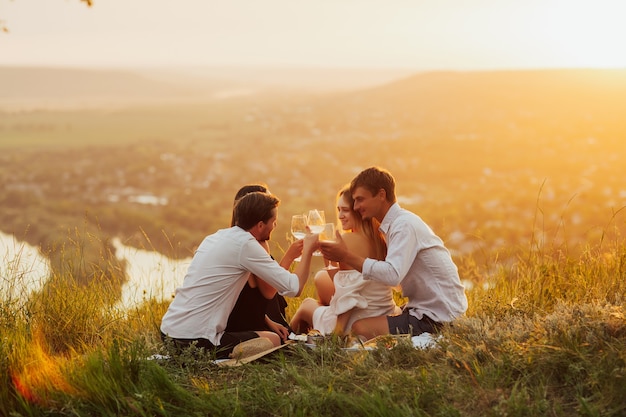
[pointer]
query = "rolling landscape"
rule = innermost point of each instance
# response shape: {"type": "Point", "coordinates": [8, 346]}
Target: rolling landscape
{"type": "Point", "coordinates": [521, 173]}
{"type": "Point", "coordinates": [492, 160]}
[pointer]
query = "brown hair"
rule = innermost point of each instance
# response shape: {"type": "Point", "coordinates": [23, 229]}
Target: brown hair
{"type": "Point", "coordinates": [247, 189]}
{"type": "Point", "coordinates": [374, 179]}
{"type": "Point", "coordinates": [369, 227]}
{"type": "Point", "coordinates": [253, 208]}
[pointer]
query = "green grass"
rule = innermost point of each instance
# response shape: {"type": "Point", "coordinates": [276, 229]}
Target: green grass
{"type": "Point", "coordinates": [544, 337]}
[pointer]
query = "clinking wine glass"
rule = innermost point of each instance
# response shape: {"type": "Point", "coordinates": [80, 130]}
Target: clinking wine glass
{"type": "Point", "coordinates": [316, 222]}
{"type": "Point", "coordinates": [298, 228]}
{"type": "Point", "coordinates": [328, 235]}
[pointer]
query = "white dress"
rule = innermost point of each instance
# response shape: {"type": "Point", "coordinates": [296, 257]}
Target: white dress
{"type": "Point", "coordinates": [367, 298]}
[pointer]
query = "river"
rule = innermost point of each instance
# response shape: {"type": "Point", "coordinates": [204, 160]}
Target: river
{"type": "Point", "coordinates": [150, 274]}
{"type": "Point", "coordinates": [23, 269]}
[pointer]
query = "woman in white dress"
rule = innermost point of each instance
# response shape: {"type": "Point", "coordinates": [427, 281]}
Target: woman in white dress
{"type": "Point", "coordinates": [344, 296]}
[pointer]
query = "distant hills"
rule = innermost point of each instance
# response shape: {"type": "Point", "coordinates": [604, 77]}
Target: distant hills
{"type": "Point", "coordinates": [543, 78]}
{"type": "Point", "coordinates": [32, 83]}
{"type": "Point", "coordinates": [480, 100]}
{"type": "Point", "coordinates": [21, 83]}
{"type": "Point", "coordinates": [466, 94]}
{"type": "Point", "coordinates": [555, 87]}
{"type": "Point", "coordinates": [34, 87]}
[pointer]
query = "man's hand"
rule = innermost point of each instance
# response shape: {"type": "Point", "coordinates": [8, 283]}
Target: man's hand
{"type": "Point", "coordinates": [334, 251]}
{"type": "Point", "coordinates": [294, 250]}
{"type": "Point", "coordinates": [311, 243]}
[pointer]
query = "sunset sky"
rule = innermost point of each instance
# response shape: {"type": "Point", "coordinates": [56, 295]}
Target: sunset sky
{"type": "Point", "coordinates": [416, 34]}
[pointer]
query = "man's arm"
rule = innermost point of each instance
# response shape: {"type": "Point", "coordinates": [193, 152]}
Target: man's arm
{"type": "Point", "coordinates": [266, 289]}
{"type": "Point", "coordinates": [294, 250]}
{"type": "Point", "coordinates": [402, 249]}
{"type": "Point", "coordinates": [304, 266]}
{"type": "Point", "coordinates": [259, 263]}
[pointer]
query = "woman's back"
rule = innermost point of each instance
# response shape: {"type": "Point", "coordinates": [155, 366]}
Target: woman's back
{"type": "Point", "coordinates": [357, 243]}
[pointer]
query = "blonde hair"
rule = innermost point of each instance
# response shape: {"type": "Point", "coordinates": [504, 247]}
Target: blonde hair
{"type": "Point", "coordinates": [369, 227]}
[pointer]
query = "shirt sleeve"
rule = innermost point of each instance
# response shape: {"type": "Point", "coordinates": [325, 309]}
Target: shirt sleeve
{"type": "Point", "coordinates": [402, 248]}
{"type": "Point", "coordinates": [256, 260]}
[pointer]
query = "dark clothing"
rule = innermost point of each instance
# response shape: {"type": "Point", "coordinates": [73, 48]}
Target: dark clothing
{"type": "Point", "coordinates": [276, 310]}
{"type": "Point", "coordinates": [226, 346]}
{"type": "Point", "coordinates": [406, 323]}
{"type": "Point", "coordinates": [249, 311]}
{"type": "Point", "coordinates": [247, 316]}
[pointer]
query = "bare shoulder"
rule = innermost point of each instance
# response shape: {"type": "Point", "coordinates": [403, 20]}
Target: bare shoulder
{"type": "Point", "coordinates": [353, 238]}
{"type": "Point", "coordinates": [357, 243]}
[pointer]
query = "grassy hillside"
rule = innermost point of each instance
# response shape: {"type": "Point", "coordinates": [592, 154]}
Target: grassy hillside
{"type": "Point", "coordinates": [546, 337]}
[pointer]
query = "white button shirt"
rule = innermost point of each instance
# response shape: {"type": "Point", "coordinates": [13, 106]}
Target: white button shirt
{"type": "Point", "coordinates": [217, 273]}
{"type": "Point", "coordinates": [421, 264]}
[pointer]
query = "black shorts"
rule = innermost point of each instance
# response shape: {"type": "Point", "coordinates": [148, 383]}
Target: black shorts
{"type": "Point", "coordinates": [228, 341]}
{"type": "Point", "coordinates": [405, 323]}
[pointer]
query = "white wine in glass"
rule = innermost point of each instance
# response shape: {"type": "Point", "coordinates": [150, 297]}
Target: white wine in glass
{"type": "Point", "coordinates": [316, 222]}
{"type": "Point", "coordinates": [328, 235]}
{"type": "Point", "coordinates": [298, 228]}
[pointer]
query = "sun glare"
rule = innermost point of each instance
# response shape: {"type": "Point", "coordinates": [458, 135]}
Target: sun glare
{"type": "Point", "coordinates": [40, 375]}
{"type": "Point", "coordinates": [583, 34]}
{"type": "Point", "coordinates": [480, 34]}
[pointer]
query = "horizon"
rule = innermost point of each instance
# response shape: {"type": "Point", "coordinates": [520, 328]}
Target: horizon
{"type": "Point", "coordinates": [278, 67]}
{"type": "Point", "coordinates": [70, 88]}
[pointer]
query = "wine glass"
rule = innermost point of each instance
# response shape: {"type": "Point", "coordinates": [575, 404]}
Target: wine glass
{"type": "Point", "coordinates": [298, 228]}
{"type": "Point", "coordinates": [316, 222]}
{"type": "Point", "coordinates": [328, 235]}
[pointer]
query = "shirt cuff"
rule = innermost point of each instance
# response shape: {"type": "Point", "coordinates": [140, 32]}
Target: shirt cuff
{"type": "Point", "coordinates": [368, 265]}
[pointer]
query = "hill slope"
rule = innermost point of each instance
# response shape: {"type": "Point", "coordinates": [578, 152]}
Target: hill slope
{"type": "Point", "coordinates": [25, 83]}
{"type": "Point", "coordinates": [537, 90]}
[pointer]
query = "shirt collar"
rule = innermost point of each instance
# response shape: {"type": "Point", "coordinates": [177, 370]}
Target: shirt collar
{"type": "Point", "coordinates": [390, 216]}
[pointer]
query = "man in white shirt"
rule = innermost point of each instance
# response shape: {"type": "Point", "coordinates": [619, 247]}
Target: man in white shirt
{"type": "Point", "coordinates": [219, 270]}
{"type": "Point", "coordinates": [417, 260]}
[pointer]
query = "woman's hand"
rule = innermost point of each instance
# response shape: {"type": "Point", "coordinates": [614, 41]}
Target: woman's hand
{"type": "Point", "coordinates": [311, 243]}
{"type": "Point", "coordinates": [279, 329]}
